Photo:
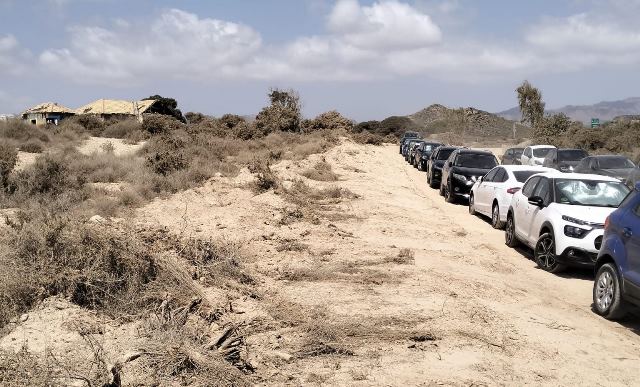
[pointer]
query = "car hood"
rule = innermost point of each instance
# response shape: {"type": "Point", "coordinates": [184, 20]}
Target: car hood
{"type": "Point", "coordinates": [585, 213]}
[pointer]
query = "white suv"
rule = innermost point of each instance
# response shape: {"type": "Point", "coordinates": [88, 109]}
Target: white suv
{"type": "Point", "coordinates": [534, 155]}
{"type": "Point", "coordinates": [491, 195]}
{"type": "Point", "coordinates": [561, 216]}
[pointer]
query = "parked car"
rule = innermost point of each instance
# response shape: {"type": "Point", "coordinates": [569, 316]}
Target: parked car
{"type": "Point", "coordinates": [412, 151]}
{"type": "Point", "coordinates": [616, 166]}
{"type": "Point", "coordinates": [423, 152]}
{"type": "Point", "coordinates": [406, 135]}
{"type": "Point", "coordinates": [435, 164]}
{"type": "Point", "coordinates": [564, 160]}
{"type": "Point", "coordinates": [534, 155]}
{"type": "Point", "coordinates": [512, 156]}
{"type": "Point", "coordinates": [463, 168]}
{"type": "Point", "coordinates": [561, 216]}
{"type": "Point", "coordinates": [407, 147]}
{"type": "Point", "coordinates": [491, 195]}
{"type": "Point", "coordinates": [617, 281]}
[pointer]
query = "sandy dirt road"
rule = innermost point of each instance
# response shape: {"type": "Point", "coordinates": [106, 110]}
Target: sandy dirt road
{"type": "Point", "coordinates": [469, 311]}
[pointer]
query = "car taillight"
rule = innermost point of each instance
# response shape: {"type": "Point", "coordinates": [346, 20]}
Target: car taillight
{"type": "Point", "coordinates": [607, 223]}
{"type": "Point", "coordinates": [513, 190]}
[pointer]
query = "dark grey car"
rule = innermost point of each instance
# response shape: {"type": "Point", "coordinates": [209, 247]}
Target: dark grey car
{"type": "Point", "coordinates": [564, 160]}
{"type": "Point", "coordinates": [616, 166]}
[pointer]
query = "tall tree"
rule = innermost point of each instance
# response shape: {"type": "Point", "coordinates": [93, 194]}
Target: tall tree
{"type": "Point", "coordinates": [284, 112]}
{"type": "Point", "coordinates": [530, 103]}
{"type": "Point", "coordinates": [166, 106]}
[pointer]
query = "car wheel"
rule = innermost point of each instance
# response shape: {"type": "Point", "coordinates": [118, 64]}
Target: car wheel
{"type": "Point", "coordinates": [495, 217]}
{"type": "Point", "coordinates": [510, 232]}
{"type": "Point", "coordinates": [448, 195]}
{"type": "Point", "coordinates": [545, 254]}
{"type": "Point", "coordinates": [607, 298]}
{"type": "Point", "coordinates": [472, 209]}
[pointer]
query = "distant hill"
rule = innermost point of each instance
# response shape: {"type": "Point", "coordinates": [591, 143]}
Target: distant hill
{"type": "Point", "coordinates": [471, 121]}
{"type": "Point", "coordinates": [605, 111]}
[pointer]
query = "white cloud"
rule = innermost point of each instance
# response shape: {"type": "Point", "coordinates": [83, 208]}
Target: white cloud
{"type": "Point", "coordinates": [177, 44]}
{"type": "Point", "coordinates": [12, 57]}
{"type": "Point", "coordinates": [389, 25]}
{"type": "Point", "coordinates": [383, 40]}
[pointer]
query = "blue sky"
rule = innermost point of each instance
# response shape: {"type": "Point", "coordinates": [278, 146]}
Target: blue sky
{"type": "Point", "coordinates": [368, 59]}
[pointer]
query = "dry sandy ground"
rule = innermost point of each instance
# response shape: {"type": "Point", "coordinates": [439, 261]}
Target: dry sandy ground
{"type": "Point", "coordinates": [487, 314]}
{"type": "Point", "coordinates": [468, 311]}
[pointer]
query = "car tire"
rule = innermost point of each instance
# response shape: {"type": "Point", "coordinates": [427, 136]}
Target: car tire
{"type": "Point", "coordinates": [448, 195]}
{"type": "Point", "coordinates": [607, 297]}
{"type": "Point", "coordinates": [510, 238]}
{"type": "Point", "coordinates": [495, 217]}
{"type": "Point", "coordinates": [545, 253]}
{"type": "Point", "coordinates": [472, 209]}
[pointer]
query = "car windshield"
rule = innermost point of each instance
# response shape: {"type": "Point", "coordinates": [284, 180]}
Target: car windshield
{"type": "Point", "coordinates": [444, 154]}
{"type": "Point", "coordinates": [615, 163]}
{"type": "Point", "coordinates": [541, 152]}
{"type": "Point", "coordinates": [590, 192]}
{"type": "Point", "coordinates": [522, 176]}
{"type": "Point", "coordinates": [571, 154]}
{"type": "Point", "coordinates": [474, 160]}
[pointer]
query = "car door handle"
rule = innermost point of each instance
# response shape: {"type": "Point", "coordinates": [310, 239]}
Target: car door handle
{"type": "Point", "coordinates": [627, 232]}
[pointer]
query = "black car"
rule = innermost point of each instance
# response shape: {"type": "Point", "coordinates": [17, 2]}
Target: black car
{"type": "Point", "coordinates": [463, 168]}
{"type": "Point", "coordinates": [564, 160]}
{"type": "Point", "coordinates": [435, 164]}
{"type": "Point", "coordinates": [405, 136]}
{"type": "Point", "coordinates": [512, 156]}
{"type": "Point", "coordinates": [616, 166]}
{"type": "Point", "coordinates": [422, 154]}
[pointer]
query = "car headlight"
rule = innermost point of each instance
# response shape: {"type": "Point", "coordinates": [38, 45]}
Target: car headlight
{"type": "Point", "coordinates": [459, 177]}
{"type": "Point", "coordinates": [575, 232]}
{"type": "Point", "coordinates": [581, 222]}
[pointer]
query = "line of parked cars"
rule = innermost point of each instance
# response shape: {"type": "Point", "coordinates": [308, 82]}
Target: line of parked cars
{"type": "Point", "coordinates": [570, 208]}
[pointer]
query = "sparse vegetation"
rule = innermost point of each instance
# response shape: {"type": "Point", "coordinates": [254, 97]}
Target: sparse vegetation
{"type": "Point", "coordinates": [321, 171]}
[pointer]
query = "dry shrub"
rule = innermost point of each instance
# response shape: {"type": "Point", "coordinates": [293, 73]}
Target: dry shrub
{"type": "Point", "coordinates": [32, 146]}
{"type": "Point", "coordinates": [291, 245]}
{"type": "Point", "coordinates": [367, 138]}
{"type": "Point", "coordinates": [405, 257]}
{"type": "Point", "coordinates": [127, 128]}
{"type": "Point", "coordinates": [91, 123]}
{"type": "Point", "coordinates": [166, 154]}
{"type": "Point", "coordinates": [321, 171]}
{"type": "Point", "coordinates": [331, 120]}
{"type": "Point", "coordinates": [49, 175]}
{"type": "Point", "coordinates": [265, 178]}
{"type": "Point", "coordinates": [215, 261]}
{"type": "Point", "coordinates": [8, 160]}
{"type": "Point", "coordinates": [160, 124]}
{"type": "Point", "coordinates": [93, 266]}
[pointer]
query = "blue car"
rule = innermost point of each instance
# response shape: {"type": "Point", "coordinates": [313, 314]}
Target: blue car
{"type": "Point", "coordinates": [617, 283]}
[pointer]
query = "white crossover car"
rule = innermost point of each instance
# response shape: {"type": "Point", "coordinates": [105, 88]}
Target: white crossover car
{"type": "Point", "coordinates": [561, 216]}
{"type": "Point", "coordinates": [534, 155]}
{"type": "Point", "coordinates": [491, 195]}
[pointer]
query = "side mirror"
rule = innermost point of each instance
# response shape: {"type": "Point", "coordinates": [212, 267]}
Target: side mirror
{"type": "Point", "coordinates": [536, 201]}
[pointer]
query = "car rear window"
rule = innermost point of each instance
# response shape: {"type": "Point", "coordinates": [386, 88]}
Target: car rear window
{"type": "Point", "coordinates": [474, 160]}
{"type": "Point", "coordinates": [444, 154]}
{"type": "Point", "coordinates": [615, 163]}
{"type": "Point", "coordinates": [541, 152]}
{"type": "Point", "coordinates": [571, 154]}
{"type": "Point", "coordinates": [522, 176]}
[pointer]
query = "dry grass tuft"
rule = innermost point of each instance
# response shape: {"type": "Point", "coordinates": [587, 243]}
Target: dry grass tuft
{"type": "Point", "coordinates": [321, 171]}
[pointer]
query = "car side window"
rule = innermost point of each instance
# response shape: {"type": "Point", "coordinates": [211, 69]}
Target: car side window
{"type": "Point", "coordinates": [501, 176]}
{"type": "Point", "coordinates": [542, 190]}
{"type": "Point", "coordinates": [528, 152]}
{"type": "Point", "coordinates": [527, 190]}
{"type": "Point", "coordinates": [489, 177]}
{"type": "Point", "coordinates": [593, 164]}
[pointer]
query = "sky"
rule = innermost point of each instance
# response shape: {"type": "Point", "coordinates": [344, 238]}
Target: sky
{"type": "Point", "coordinates": [368, 59]}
